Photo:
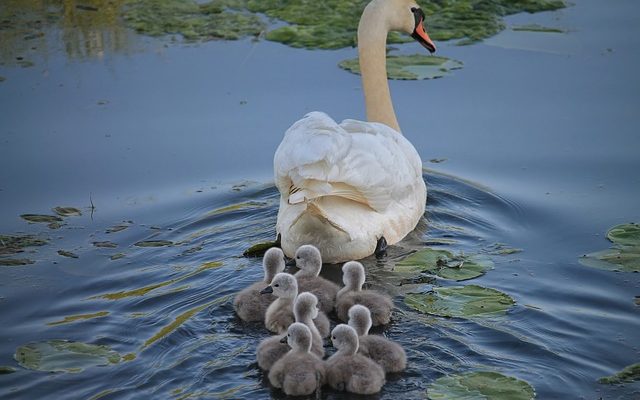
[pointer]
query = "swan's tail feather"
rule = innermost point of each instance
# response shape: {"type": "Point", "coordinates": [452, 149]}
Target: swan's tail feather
{"type": "Point", "coordinates": [314, 209]}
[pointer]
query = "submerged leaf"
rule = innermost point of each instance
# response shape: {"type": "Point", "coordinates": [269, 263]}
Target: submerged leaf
{"type": "Point", "coordinates": [41, 218]}
{"type": "Point", "coordinates": [79, 317]}
{"type": "Point", "coordinates": [537, 28]}
{"type": "Point", "coordinates": [67, 211]}
{"type": "Point", "coordinates": [64, 356]}
{"type": "Point", "coordinates": [462, 301]}
{"type": "Point", "coordinates": [627, 375]}
{"type": "Point", "coordinates": [69, 254]}
{"type": "Point", "coordinates": [153, 243]}
{"type": "Point", "coordinates": [411, 67]}
{"type": "Point", "coordinates": [480, 385]}
{"type": "Point", "coordinates": [14, 262]}
{"type": "Point", "coordinates": [105, 244]}
{"type": "Point", "coordinates": [258, 250]}
{"type": "Point", "coordinates": [11, 244]}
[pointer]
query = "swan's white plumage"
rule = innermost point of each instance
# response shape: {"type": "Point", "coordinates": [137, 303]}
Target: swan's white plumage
{"type": "Point", "coordinates": [343, 186]}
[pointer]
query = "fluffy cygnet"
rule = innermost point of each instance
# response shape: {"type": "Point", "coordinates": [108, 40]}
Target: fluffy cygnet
{"type": "Point", "coordinates": [388, 354]}
{"type": "Point", "coordinates": [309, 260]}
{"type": "Point", "coordinates": [280, 315]}
{"type": "Point", "coordinates": [299, 372]}
{"type": "Point", "coordinates": [305, 310]}
{"type": "Point", "coordinates": [379, 304]}
{"type": "Point", "coordinates": [249, 304]}
{"type": "Point", "coordinates": [347, 370]}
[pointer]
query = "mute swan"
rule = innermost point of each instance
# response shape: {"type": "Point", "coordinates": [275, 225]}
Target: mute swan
{"type": "Point", "coordinates": [249, 304]}
{"type": "Point", "coordinates": [347, 370]}
{"type": "Point", "coordinates": [309, 260]}
{"type": "Point", "coordinates": [352, 188]}
{"type": "Point", "coordinates": [299, 372]}
{"type": "Point", "coordinates": [379, 304]}
{"type": "Point", "coordinates": [280, 313]}
{"type": "Point", "coordinates": [389, 355]}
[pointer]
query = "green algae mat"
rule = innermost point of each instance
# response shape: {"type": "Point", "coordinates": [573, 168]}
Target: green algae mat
{"type": "Point", "coordinates": [480, 385]}
{"type": "Point", "coordinates": [623, 256]}
{"type": "Point", "coordinates": [64, 356]}
{"type": "Point", "coordinates": [627, 375]}
{"type": "Point", "coordinates": [469, 301]}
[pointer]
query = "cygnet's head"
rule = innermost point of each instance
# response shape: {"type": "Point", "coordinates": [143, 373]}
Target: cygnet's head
{"type": "Point", "coordinates": [360, 319]}
{"type": "Point", "coordinates": [273, 263]}
{"type": "Point", "coordinates": [283, 285]}
{"type": "Point", "coordinates": [353, 275]}
{"type": "Point", "coordinates": [305, 306]}
{"type": "Point", "coordinates": [298, 337]}
{"type": "Point", "coordinates": [345, 338]}
{"type": "Point", "coordinates": [308, 259]}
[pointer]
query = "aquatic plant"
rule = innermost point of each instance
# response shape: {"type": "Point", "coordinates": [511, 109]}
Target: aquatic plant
{"type": "Point", "coordinates": [623, 256]}
{"type": "Point", "coordinates": [64, 356]}
{"type": "Point", "coordinates": [627, 375]}
{"type": "Point", "coordinates": [485, 385]}
{"type": "Point", "coordinates": [444, 264]}
{"type": "Point", "coordinates": [411, 67]}
{"type": "Point", "coordinates": [463, 301]}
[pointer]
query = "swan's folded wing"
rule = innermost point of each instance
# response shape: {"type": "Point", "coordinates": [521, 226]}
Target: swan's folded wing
{"type": "Point", "coordinates": [365, 162]}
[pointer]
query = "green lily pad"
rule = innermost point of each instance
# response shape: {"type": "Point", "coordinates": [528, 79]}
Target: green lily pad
{"type": "Point", "coordinates": [480, 385]}
{"type": "Point", "coordinates": [12, 244]}
{"type": "Point", "coordinates": [117, 228]}
{"type": "Point", "coordinates": [41, 218]}
{"type": "Point", "coordinates": [413, 67]}
{"type": "Point", "coordinates": [69, 254]}
{"type": "Point", "coordinates": [67, 211]}
{"type": "Point", "coordinates": [64, 356]}
{"type": "Point", "coordinates": [625, 235]}
{"type": "Point", "coordinates": [624, 256]}
{"type": "Point", "coordinates": [444, 264]}
{"type": "Point", "coordinates": [627, 375]}
{"type": "Point", "coordinates": [463, 302]}
{"type": "Point", "coordinates": [258, 250]}
{"type": "Point", "coordinates": [154, 243]}
{"type": "Point", "coordinates": [15, 262]}
{"type": "Point", "coordinates": [106, 244]}
{"type": "Point", "coordinates": [117, 256]}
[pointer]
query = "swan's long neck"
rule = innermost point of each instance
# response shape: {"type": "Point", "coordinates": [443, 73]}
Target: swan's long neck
{"type": "Point", "coordinates": [372, 42]}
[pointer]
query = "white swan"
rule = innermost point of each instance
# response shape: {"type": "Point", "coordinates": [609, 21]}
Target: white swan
{"type": "Point", "coordinates": [351, 188]}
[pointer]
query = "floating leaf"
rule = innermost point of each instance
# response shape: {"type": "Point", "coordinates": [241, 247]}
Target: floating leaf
{"type": "Point", "coordinates": [248, 205]}
{"type": "Point", "coordinates": [627, 375]}
{"type": "Point", "coordinates": [154, 243]}
{"type": "Point", "coordinates": [117, 228]}
{"type": "Point", "coordinates": [14, 262]}
{"type": "Point", "coordinates": [12, 244]}
{"type": "Point", "coordinates": [626, 234]}
{"type": "Point", "coordinates": [67, 211]}
{"type": "Point", "coordinates": [69, 254]}
{"type": "Point", "coordinates": [106, 244]}
{"type": "Point", "coordinates": [41, 218]}
{"type": "Point", "coordinates": [480, 385]}
{"type": "Point", "coordinates": [80, 317]}
{"type": "Point", "coordinates": [64, 356]}
{"type": "Point", "coordinates": [117, 256]}
{"type": "Point", "coordinates": [258, 250]}
{"type": "Point", "coordinates": [417, 66]}
{"type": "Point", "coordinates": [444, 264]}
{"type": "Point", "coordinates": [464, 302]}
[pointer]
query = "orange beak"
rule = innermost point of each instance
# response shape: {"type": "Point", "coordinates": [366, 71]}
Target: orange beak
{"type": "Point", "coordinates": [420, 34]}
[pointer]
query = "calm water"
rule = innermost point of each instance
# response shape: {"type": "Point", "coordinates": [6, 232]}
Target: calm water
{"type": "Point", "coordinates": [539, 133]}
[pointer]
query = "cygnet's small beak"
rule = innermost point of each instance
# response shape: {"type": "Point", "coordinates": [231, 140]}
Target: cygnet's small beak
{"type": "Point", "coordinates": [266, 290]}
{"type": "Point", "coordinates": [291, 263]}
{"type": "Point", "coordinates": [283, 340]}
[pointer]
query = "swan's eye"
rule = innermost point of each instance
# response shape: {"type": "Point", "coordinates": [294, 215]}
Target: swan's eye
{"type": "Point", "coordinates": [413, 9]}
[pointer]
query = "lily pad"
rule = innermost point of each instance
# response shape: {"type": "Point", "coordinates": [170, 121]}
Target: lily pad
{"type": "Point", "coordinates": [625, 235]}
{"type": "Point", "coordinates": [64, 356]}
{"type": "Point", "coordinates": [14, 262]}
{"type": "Point", "coordinates": [69, 254]}
{"type": "Point", "coordinates": [117, 228]}
{"type": "Point", "coordinates": [463, 302]}
{"type": "Point", "coordinates": [154, 243]}
{"type": "Point", "coordinates": [480, 385]}
{"type": "Point", "coordinates": [12, 244]}
{"type": "Point", "coordinates": [444, 264]}
{"type": "Point", "coordinates": [413, 67]}
{"type": "Point", "coordinates": [624, 256]}
{"type": "Point", "coordinates": [41, 218]}
{"type": "Point", "coordinates": [117, 256]}
{"type": "Point", "coordinates": [627, 375]}
{"type": "Point", "coordinates": [258, 249]}
{"type": "Point", "coordinates": [67, 211]}
{"type": "Point", "coordinates": [106, 244]}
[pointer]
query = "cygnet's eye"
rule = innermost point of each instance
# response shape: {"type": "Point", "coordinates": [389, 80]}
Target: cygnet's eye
{"type": "Point", "coordinates": [277, 285]}
{"type": "Point", "coordinates": [298, 257]}
{"type": "Point", "coordinates": [333, 338]}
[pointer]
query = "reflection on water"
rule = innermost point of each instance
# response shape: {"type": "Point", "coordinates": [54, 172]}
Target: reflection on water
{"type": "Point", "coordinates": [167, 310]}
{"type": "Point", "coordinates": [31, 29]}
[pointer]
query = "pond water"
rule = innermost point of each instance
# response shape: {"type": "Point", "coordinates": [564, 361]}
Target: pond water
{"type": "Point", "coordinates": [537, 145]}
